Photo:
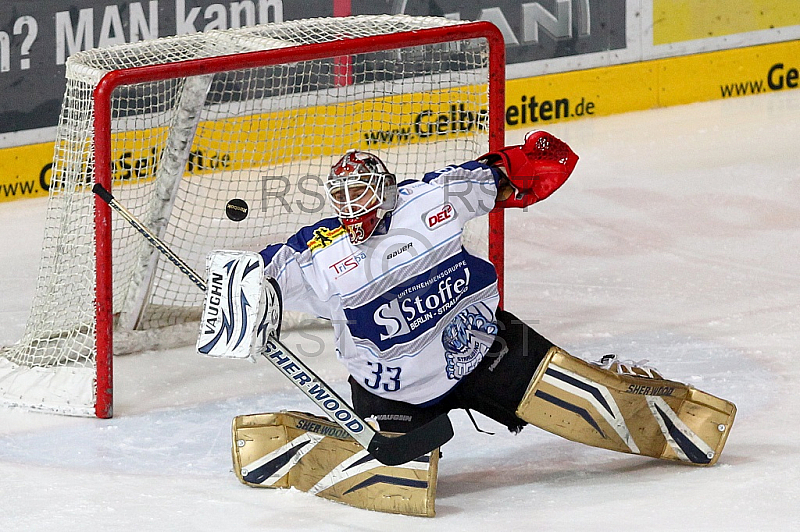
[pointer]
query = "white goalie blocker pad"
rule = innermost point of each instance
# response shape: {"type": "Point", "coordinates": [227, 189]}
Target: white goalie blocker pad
{"type": "Point", "coordinates": [241, 306]}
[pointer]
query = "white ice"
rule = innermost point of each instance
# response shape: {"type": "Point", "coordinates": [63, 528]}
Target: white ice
{"type": "Point", "coordinates": [676, 240]}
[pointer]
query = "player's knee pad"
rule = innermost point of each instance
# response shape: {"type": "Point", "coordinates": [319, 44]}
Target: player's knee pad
{"type": "Point", "coordinates": [313, 454]}
{"type": "Point", "coordinates": [626, 408]}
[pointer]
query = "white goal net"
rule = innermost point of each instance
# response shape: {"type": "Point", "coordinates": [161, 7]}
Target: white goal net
{"type": "Point", "coordinates": [177, 127]}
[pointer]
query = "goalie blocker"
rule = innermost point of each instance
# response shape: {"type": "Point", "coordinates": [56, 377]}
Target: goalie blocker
{"type": "Point", "coordinates": [241, 310]}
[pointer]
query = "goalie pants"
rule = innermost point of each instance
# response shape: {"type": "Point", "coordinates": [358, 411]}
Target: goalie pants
{"type": "Point", "coordinates": [494, 388]}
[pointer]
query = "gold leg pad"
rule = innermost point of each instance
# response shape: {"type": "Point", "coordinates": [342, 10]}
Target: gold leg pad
{"type": "Point", "coordinates": [631, 414]}
{"type": "Point", "coordinates": [315, 455]}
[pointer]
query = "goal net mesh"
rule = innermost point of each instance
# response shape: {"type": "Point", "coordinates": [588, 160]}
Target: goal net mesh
{"type": "Point", "coordinates": [182, 147]}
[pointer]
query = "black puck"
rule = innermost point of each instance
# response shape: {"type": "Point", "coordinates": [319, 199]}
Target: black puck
{"type": "Point", "coordinates": [237, 209]}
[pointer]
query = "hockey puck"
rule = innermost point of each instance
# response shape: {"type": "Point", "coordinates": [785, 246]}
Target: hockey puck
{"type": "Point", "coordinates": [236, 209]}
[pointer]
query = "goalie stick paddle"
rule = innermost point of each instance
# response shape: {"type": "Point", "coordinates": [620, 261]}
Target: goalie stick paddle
{"type": "Point", "coordinates": [387, 450]}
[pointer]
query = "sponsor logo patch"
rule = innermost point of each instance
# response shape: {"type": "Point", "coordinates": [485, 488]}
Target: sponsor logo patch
{"type": "Point", "coordinates": [421, 303]}
{"type": "Point", "coordinates": [324, 237]}
{"type": "Point", "coordinates": [348, 264]}
{"type": "Point", "coordinates": [440, 216]}
{"type": "Point", "coordinates": [397, 252]}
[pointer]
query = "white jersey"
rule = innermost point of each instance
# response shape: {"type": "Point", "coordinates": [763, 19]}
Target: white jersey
{"type": "Point", "coordinates": [413, 312]}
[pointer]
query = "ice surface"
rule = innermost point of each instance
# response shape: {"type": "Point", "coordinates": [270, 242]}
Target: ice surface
{"type": "Point", "coordinates": [677, 240]}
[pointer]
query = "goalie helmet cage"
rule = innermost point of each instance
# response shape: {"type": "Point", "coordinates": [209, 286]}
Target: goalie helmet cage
{"type": "Point", "coordinates": [175, 127]}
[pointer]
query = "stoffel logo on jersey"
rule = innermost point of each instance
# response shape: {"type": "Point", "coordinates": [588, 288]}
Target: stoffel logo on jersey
{"type": "Point", "coordinates": [439, 216]}
{"type": "Point", "coordinates": [422, 303]}
{"type": "Point", "coordinates": [324, 237]}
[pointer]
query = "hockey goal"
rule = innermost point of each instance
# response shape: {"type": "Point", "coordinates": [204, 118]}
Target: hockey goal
{"type": "Point", "coordinates": [176, 127]}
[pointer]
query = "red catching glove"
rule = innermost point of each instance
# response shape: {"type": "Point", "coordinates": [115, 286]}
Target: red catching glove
{"type": "Point", "coordinates": [535, 169]}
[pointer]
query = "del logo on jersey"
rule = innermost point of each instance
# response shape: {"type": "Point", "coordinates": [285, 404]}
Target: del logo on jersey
{"type": "Point", "coordinates": [439, 216]}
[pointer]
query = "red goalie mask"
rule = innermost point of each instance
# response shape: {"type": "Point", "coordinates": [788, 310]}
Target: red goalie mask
{"type": "Point", "coordinates": [362, 191]}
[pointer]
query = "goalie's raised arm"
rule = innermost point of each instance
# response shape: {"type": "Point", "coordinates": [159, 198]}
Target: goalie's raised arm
{"type": "Point", "coordinates": [533, 170]}
{"type": "Point", "coordinates": [241, 308]}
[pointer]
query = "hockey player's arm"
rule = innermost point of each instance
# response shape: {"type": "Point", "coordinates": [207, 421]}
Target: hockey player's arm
{"type": "Point", "coordinates": [531, 171]}
{"type": "Point", "coordinates": [300, 287]}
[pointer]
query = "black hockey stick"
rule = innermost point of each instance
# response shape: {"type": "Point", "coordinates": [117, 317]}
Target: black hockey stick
{"type": "Point", "coordinates": [387, 450]}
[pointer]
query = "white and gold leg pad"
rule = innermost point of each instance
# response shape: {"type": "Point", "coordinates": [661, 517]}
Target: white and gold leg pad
{"type": "Point", "coordinates": [315, 455]}
{"type": "Point", "coordinates": [628, 413]}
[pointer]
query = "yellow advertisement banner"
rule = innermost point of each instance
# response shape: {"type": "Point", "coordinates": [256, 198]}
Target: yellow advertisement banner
{"type": "Point", "coordinates": [685, 20]}
{"type": "Point", "coordinates": [530, 103]}
{"type": "Point", "coordinates": [330, 129]}
{"type": "Point", "coordinates": [25, 171]}
{"type": "Point", "coordinates": [269, 138]}
{"type": "Point", "coordinates": [535, 102]}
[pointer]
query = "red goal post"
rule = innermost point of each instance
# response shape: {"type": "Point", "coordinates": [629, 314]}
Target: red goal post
{"type": "Point", "coordinates": [346, 49]}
